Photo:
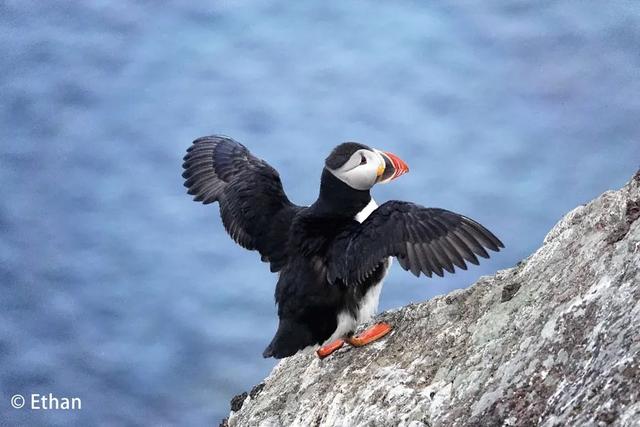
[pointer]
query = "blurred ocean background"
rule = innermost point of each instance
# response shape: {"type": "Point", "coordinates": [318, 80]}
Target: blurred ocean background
{"type": "Point", "coordinates": [118, 289]}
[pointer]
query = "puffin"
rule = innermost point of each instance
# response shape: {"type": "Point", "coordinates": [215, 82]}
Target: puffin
{"type": "Point", "coordinates": [332, 256]}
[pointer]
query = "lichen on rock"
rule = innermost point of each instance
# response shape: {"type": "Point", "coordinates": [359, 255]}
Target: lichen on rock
{"type": "Point", "coordinates": [554, 341]}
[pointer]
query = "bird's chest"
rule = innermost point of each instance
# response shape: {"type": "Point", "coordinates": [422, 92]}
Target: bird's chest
{"type": "Point", "coordinates": [368, 304]}
{"type": "Point", "coordinates": [319, 241]}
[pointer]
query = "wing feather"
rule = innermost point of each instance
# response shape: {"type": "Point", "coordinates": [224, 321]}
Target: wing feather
{"type": "Point", "coordinates": [424, 240]}
{"type": "Point", "coordinates": [254, 208]}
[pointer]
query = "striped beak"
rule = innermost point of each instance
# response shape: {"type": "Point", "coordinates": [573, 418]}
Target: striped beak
{"type": "Point", "coordinates": [392, 168]}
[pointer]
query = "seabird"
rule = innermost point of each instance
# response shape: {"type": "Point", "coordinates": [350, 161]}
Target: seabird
{"type": "Point", "coordinates": [331, 256]}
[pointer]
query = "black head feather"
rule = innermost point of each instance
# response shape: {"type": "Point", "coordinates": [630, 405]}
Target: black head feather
{"type": "Point", "coordinates": [342, 153]}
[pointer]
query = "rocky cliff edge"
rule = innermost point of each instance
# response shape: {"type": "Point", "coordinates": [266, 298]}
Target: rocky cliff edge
{"type": "Point", "coordinates": [553, 341]}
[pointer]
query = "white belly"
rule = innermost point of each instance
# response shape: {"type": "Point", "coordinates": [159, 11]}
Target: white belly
{"type": "Point", "coordinates": [347, 323]}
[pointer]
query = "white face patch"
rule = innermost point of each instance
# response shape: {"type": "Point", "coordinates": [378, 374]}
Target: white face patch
{"type": "Point", "coordinates": [361, 170]}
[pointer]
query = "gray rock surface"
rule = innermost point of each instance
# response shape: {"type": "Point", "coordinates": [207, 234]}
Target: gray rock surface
{"type": "Point", "coordinates": [554, 341]}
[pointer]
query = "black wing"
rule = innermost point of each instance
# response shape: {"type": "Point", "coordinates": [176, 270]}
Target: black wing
{"type": "Point", "coordinates": [255, 210]}
{"type": "Point", "coordinates": [424, 240]}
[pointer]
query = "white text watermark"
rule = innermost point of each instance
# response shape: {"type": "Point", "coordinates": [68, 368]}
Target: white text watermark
{"type": "Point", "coordinates": [46, 402]}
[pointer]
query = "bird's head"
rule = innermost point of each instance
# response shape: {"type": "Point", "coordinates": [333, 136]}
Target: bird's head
{"type": "Point", "coordinates": [361, 167]}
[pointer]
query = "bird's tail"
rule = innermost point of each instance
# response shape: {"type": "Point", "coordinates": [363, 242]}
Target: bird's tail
{"type": "Point", "coordinates": [290, 337]}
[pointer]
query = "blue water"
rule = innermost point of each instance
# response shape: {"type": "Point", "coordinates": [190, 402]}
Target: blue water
{"type": "Point", "coordinates": [117, 289]}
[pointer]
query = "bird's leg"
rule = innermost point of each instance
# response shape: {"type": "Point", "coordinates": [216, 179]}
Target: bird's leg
{"type": "Point", "coordinates": [328, 349]}
{"type": "Point", "coordinates": [370, 334]}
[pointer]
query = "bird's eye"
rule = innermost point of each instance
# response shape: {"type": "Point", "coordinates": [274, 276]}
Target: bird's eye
{"type": "Point", "coordinates": [363, 160]}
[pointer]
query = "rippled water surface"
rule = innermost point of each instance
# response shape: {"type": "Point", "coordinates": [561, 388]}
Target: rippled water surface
{"type": "Point", "coordinates": [116, 288]}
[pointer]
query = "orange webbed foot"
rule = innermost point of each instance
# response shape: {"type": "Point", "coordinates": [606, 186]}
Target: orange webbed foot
{"type": "Point", "coordinates": [370, 334]}
{"type": "Point", "coordinates": [328, 349]}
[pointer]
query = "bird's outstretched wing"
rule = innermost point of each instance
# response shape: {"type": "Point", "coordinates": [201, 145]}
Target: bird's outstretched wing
{"type": "Point", "coordinates": [424, 240]}
{"type": "Point", "coordinates": [255, 210]}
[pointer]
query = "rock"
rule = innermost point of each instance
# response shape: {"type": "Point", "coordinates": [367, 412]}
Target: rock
{"type": "Point", "coordinates": [554, 341]}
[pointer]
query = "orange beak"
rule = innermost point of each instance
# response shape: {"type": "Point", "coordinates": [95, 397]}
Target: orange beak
{"type": "Point", "coordinates": [393, 168]}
